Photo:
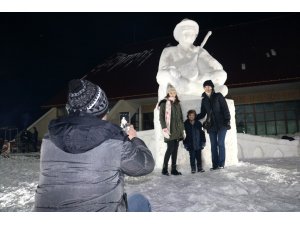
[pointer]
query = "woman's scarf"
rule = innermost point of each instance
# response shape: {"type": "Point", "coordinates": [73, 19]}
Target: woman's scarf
{"type": "Point", "coordinates": [168, 112]}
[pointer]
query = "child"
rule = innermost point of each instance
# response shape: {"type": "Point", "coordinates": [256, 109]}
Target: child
{"type": "Point", "coordinates": [194, 141]}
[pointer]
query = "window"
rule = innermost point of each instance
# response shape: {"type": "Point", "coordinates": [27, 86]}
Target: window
{"type": "Point", "coordinates": [269, 107]}
{"type": "Point", "coordinates": [268, 118]}
{"type": "Point", "coordinates": [259, 108]}
{"type": "Point", "coordinates": [250, 128]}
{"type": "Point", "coordinates": [292, 126]}
{"type": "Point", "coordinates": [271, 128]}
{"type": "Point", "coordinates": [290, 115]}
{"type": "Point", "coordinates": [249, 108]}
{"type": "Point", "coordinates": [280, 126]}
{"type": "Point", "coordinates": [279, 115]}
{"type": "Point", "coordinates": [261, 128]}
{"type": "Point", "coordinates": [148, 123]}
{"type": "Point", "coordinates": [249, 117]}
{"type": "Point", "coordinates": [260, 116]}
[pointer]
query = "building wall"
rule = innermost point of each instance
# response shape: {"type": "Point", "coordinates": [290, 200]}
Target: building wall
{"type": "Point", "coordinates": [265, 93]}
{"type": "Point", "coordinates": [121, 107]}
{"type": "Point", "coordinates": [42, 123]}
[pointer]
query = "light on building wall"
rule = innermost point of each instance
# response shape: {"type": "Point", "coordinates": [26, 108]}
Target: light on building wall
{"type": "Point", "coordinates": [273, 52]}
{"type": "Point", "coordinates": [243, 66]}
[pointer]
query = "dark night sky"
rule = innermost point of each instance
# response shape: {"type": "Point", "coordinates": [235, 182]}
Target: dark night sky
{"type": "Point", "coordinates": [41, 52]}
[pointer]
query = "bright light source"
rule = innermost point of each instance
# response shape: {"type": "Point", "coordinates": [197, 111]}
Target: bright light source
{"type": "Point", "coordinates": [273, 52]}
{"type": "Point", "coordinates": [243, 65]}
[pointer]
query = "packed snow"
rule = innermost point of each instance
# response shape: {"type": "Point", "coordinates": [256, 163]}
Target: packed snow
{"type": "Point", "coordinates": [256, 185]}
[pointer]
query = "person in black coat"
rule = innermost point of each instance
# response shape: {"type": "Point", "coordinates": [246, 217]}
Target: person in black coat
{"type": "Point", "coordinates": [215, 107]}
{"type": "Point", "coordinates": [194, 141]}
{"type": "Point", "coordinates": [35, 136]}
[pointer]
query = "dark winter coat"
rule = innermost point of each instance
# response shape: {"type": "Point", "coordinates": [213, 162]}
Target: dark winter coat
{"type": "Point", "coordinates": [195, 137]}
{"type": "Point", "coordinates": [176, 124]}
{"type": "Point", "coordinates": [220, 116]}
{"type": "Point", "coordinates": [83, 163]}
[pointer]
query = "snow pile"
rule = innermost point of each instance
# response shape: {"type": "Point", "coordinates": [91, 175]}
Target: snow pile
{"type": "Point", "coordinates": [18, 181]}
{"type": "Point", "coordinates": [244, 187]}
{"type": "Point", "coordinates": [251, 146]}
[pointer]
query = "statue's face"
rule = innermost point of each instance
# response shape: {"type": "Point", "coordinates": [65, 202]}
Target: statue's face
{"type": "Point", "coordinates": [188, 37]}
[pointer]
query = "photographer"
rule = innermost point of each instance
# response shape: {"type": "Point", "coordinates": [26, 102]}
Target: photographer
{"type": "Point", "coordinates": [85, 158]}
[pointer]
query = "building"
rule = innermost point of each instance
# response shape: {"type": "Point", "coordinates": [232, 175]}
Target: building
{"type": "Point", "coordinates": [260, 58]}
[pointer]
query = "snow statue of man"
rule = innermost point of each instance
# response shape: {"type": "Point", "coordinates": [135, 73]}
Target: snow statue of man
{"type": "Point", "coordinates": [186, 66]}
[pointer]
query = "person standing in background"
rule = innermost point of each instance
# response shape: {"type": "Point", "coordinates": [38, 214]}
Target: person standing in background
{"type": "Point", "coordinates": [35, 136]}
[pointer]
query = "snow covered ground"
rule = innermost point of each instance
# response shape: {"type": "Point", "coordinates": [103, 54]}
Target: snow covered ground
{"type": "Point", "coordinates": [256, 185]}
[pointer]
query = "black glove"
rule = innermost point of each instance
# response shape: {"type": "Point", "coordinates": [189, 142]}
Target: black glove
{"type": "Point", "coordinates": [227, 125]}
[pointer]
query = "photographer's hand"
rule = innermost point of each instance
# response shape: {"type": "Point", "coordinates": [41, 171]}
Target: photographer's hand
{"type": "Point", "coordinates": [131, 132]}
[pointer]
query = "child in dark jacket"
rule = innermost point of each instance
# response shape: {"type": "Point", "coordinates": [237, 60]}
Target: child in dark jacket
{"type": "Point", "coordinates": [194, 141]}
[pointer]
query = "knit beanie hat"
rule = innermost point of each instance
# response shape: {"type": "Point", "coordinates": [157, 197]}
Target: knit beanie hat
{"type": "Point", "coordinates": [170, 88]}
{"type": "Point", "coordinates": [86, 97]}
{"type": "Point", "coordinates": [208, 83]}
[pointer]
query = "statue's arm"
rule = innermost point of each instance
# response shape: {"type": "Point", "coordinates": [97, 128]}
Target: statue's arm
{"type": "Point", "coordinates": [207, 63]}
{"type": "Point", "coordinates": [166, 59]}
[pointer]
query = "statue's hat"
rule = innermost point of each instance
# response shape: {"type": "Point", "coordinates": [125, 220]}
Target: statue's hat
{"type": "Point", "coordinates": [185, 24]}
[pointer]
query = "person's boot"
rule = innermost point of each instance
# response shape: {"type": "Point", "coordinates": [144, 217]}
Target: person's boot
{"type": "Point", "coordinates": [193, 170]}
{"type": "Point", "coordinates": [165, 172]}
{"type": "Point", "coordinates": [214, 168]}
{"type": "Point", "coordinates": [200, 169]}
{"type": "Point", "coordinates": [174, 171]}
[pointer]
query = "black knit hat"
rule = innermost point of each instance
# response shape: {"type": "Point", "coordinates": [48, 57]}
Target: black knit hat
{"type": "Point", "coordinates": [86, 97]}
{"type": "Point", "coordinates": [208, 83]}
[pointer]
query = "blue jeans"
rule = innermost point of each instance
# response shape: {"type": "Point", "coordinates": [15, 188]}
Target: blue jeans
{"type": "Point", "coordinates": [195, 156]}
{"type": "Point", "coordinates": [217, 141]}
{"type": "Point", "coordinates": [138, 203]}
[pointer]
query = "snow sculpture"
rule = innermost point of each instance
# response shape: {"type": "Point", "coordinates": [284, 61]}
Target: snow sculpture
{"type": "Point", "coordinates": [186, 66]}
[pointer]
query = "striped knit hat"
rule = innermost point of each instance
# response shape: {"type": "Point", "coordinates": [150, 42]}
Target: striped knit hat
{"type": "Point", "coordinates": [86, 97]}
